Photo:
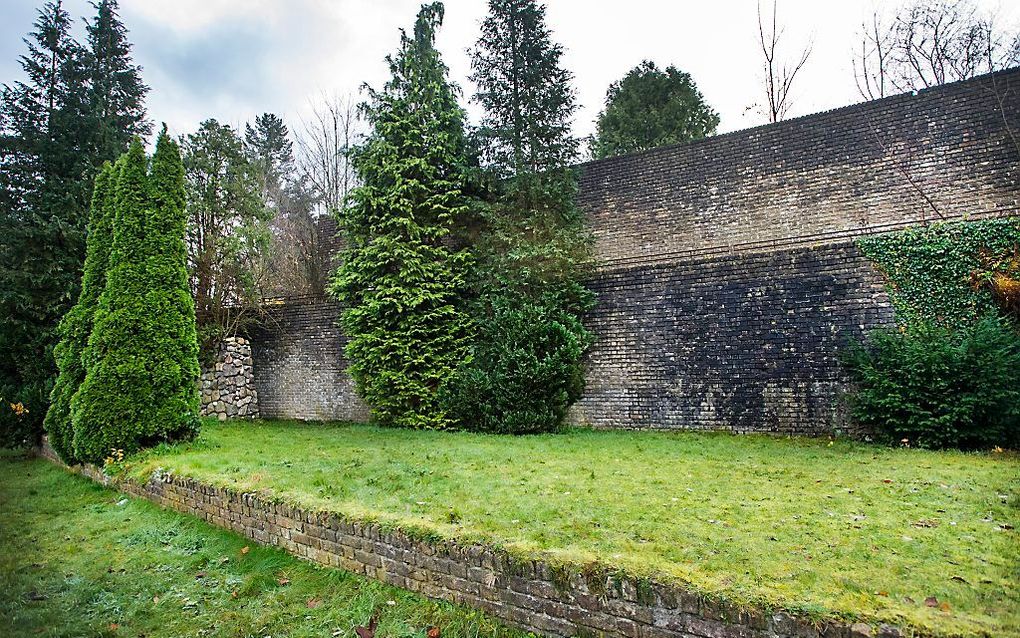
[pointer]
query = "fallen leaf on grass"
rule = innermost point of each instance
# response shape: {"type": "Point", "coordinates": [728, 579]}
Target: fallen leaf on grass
{"type": "Point", "coordinates": [368, 632]}
{"type": "Point", "coordinates": [887, 480]}
{"type": "Point", "coordinates": [155, 600]}
{"type": "Point", "coordinates": [313, 603]}
{"type": "Point", "coordinates": [245, 550]}
{"type": "Point", "coordinates": [114, 626]}
{"type": "Point", "coordinates": [283, 581]}
{"type": "Point", "coordinates": [433, 632]}
{"type": "Point", "coordinates": [199, 575]}
{"type": "Point", "coordinates": [931, 601]}
{"type": "Point", "coordinates": [944, 606]}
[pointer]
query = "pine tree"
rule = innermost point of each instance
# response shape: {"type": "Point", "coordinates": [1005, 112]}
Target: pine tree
{"type": "Point", "coordinates": [174, 358]}
{"type": "Point", "coordinates": [525, 369]}
{"type": "Point", "coordinates": [112, 409]}
{"type": "Point", "coordinates": [76, 325]}
{"type": "Point", "coordinates": [267, 143]}
{"type": "Point", "coordinates": [400, 281]}
{"type": "Point", "coordinates": [649, 108]}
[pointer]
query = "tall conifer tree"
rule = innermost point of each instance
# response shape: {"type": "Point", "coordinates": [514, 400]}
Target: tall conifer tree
{"type": "Point", "coordinates": [112, 408]}
{"type": "Point", "coordinates": [174, 359]}
{"type": "Point", "coordinates": [116, 92]}
{"type": "Point", "coordinates": [76, 109]}
{"type": "Point", "coordinates": [525, 366]}
{"type": "Point", "coordinates": [41, 248]}
{"type": "Point", "coordinates": [400, 281]}
{"type": "Point", "coordinates": [76, 325]}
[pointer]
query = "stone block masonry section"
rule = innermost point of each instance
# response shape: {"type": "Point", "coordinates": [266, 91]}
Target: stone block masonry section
{"type": "Point", "coordinates": [531, 594]}
{"type": "Point", "coordinates": [227, 383]}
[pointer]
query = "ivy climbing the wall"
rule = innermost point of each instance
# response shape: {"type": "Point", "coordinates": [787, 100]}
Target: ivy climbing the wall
{"type": "Point", "coordinates": [949, 274]}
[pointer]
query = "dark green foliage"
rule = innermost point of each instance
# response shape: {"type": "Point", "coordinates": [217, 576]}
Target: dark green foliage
{"type": "Point", "coordinates": [141, 361]}
{"type": "Point", "coordinates": [933, 272]}
{"type": "Point", "coordinates": [401, 281]}
{"type": "Point", "coordinates": [76, 325]}
{"type": "Point", "coordinates": [174, 357]}
{"type": "Point", "coordinates": [525, 373]}
{"type": "Point", "coordinates": [649, 108]}
{"type": "Point", "coordinates": [56, 130]}
{"type": "Point", "coordinates": [42, 242]}
{"type": "Point", "coordinates": [116, 91]}
{"type": "Point", "coordinates": [525, 367]}
{"type": "Point", "coordinates": [937, 388]}
{"type": "Point", "coordinates": [526, 94]}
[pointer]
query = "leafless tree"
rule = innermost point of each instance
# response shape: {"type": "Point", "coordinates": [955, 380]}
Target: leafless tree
{"type": "Point", "coordinates": [778, 74]}
{"type": "Point", "coordinates": [929, 43]}
{"type": "Point", "coordinates": [872, 61]}
{"type": "Point", "coordinates": [324, 145]}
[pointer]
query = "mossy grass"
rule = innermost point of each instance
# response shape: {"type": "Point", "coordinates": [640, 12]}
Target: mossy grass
{"type": "Point", "coordinates": [82, 560]}
{"type": "Point", "coordinates": [828, 529]}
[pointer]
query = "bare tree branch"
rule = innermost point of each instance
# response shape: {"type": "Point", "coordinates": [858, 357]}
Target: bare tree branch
{"type": "Point", "coordinates": [778, 75]}
{"type": "Point", "coordinates": [927, 43]}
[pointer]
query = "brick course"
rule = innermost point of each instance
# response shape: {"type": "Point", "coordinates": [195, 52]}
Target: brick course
{"type": "Point", "coordinates": [856, 167]}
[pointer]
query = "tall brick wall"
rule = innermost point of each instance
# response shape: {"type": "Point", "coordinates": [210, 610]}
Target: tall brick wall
{"type": "Point", "coordinates": [727, 280]}
{"type": "Point", "coordinates": [852, 168]}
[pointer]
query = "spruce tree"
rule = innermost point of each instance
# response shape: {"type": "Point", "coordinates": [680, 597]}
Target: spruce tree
{"type": "Point", "coordinates": [400, 281]}
{"type": "Point", "coordinates": [525, 367]}
{"type": "Point", "coordinates": [174, 347]}
{"type": "Point", "coordinates": [112, 409]}
{"type": "Point", "coordinates": [116, 93]}
{"type": "Point", "coordinates": [76, 325]}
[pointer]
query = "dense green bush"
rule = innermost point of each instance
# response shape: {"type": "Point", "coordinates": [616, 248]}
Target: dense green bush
{"type": "Point", "coordinates": [76, 325]}
{"type": "Point", "coordinates": [524, 373]}
{"type": "Point", "coordinates": [933, 387]}
{"type": "Point", "coordinates": [174, 347]}
{"type": "Point", "coordinates": [141, 362]}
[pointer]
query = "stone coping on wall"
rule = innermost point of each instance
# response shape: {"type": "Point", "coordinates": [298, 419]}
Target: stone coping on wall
{"type": "Point", "coordinates": [534, 594]}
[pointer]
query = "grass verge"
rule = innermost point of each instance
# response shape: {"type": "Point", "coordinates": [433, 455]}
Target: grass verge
{"type": "Point", "coordinates": [81, 560]}
{"type": "Point", "coordinates": [826, 529]}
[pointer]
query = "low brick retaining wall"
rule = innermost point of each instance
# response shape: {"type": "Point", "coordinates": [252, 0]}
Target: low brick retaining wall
{"type": "Point", "coordinates": [531, 594]}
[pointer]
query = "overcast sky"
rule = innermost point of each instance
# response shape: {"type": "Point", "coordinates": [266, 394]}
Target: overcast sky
{"type": "Point", "coordinates": [234, 59]}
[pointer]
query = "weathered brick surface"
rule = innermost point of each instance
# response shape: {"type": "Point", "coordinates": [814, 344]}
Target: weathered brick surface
{"type": "Point", "coordinates": [855, 167]}
{"type": "Point", "coordinates": [300, 367]}
{"type": "Point", "coordinates": [528, 593]}
{"type": "Point", "coordinates": [727, 281]}
{"type": "Point", "coordinates": [746, 343]}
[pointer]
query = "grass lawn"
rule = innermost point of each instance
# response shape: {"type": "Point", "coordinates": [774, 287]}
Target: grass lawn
{"type": "Point", "coordinates": [81, 560]}
{"type": "Point", "coordinates": [831, 530]}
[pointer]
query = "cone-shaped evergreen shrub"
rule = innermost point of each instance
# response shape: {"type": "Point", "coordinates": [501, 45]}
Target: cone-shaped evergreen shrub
{"type": "Point", "coordinates": [142, 351]}
{"type": "Point", "coordinates": [174, 343]}
{"type": "Point", "coordinates": [111, 409]}
{"type": "Point", "coordinates": [401, 280]}
{"type": "Point", "coordinates": [76, 325]}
